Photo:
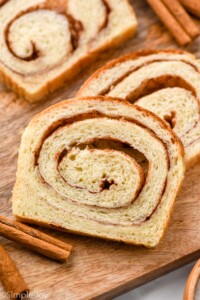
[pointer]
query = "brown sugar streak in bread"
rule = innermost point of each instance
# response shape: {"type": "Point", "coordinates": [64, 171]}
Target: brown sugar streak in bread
{"type": "Point", "coordinates": [154, 84]}
{"type": "Point", "coordinates": [2, 2]}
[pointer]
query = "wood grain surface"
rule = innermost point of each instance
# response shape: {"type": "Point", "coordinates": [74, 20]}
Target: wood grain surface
{"type": "Point", "coordinates": [98, 269]}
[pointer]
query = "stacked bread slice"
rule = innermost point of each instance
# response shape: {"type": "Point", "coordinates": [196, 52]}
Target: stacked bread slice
{"type": "Point", "coordinates": [101, 167]}
{"type": "Point", "coordinates": [45, 42]}
{"type": "Point", "coordinates": [164, 82]}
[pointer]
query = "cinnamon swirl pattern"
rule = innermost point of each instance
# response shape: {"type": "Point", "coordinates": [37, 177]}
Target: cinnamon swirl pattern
{"type": "Point", "coordinates": [45, 42]}
{"type": "Point", "coordinates": [73, 174]}
{"type": "Point", "coordinates": [164, 82]}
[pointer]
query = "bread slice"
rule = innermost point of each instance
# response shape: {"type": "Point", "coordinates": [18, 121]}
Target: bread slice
{"type": "Point", "coordinates": [164, 82]}
{"type": "Point", "coordinates": [72, 175]}
{"type": "Point", "coordinates": [45, 42]}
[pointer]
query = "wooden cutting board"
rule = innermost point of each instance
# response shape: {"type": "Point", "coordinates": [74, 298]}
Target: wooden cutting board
{"type": "Point", "coordinates": [98, 269]}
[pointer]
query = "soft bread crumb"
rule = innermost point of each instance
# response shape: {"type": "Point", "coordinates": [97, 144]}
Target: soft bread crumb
{"type": "Point", "coordinates": [49, 199]}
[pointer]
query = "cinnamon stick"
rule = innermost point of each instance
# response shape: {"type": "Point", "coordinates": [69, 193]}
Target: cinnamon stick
{"type": "Point", "coordinates": [10, 277]}
{"type": "Point", "coordinates": [170, 22]}
{"type": "Point", "coordinates": [192, 6]}
{"type": "Point", "coordinates": [34, 239]}
{"type": "Point", "coordinates": [178, 11]}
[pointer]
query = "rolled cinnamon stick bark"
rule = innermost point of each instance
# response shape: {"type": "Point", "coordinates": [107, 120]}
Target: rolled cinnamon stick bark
{"type": "Point", "coordinates": [34, 239]}
{"type": "Point", "coordinates": [10, 277]}
{"type": "Point", "coordinates": [192, 6]}
{"type": "Point", "coordinates": [178, 11]}
{"type": "Point", "coordinates": [170, 22]}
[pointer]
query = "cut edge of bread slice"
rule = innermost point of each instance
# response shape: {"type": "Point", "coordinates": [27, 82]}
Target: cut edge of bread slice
{"type": "Point", "coordinates": [26, 203]}
{"type": "Point", "coordinates": [132, 56]}
{"type": "Point", "coordinates": [35, 89]}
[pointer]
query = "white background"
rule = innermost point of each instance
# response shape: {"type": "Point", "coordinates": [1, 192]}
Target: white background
{"type": "Point", "coordinates": [168, 287]}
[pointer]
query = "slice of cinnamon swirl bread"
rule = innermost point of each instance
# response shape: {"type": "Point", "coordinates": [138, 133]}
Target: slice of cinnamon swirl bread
{"type": "Point", "coordinates": [164, 82]}
{"type": "Point", "coordinates": [72, 173]}
{"type": "Point", "coordinates": [45, 42]}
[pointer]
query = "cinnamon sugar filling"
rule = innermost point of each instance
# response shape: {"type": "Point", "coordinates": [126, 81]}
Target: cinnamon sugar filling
{"type": "Point", "coordinates": [101, 144]}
